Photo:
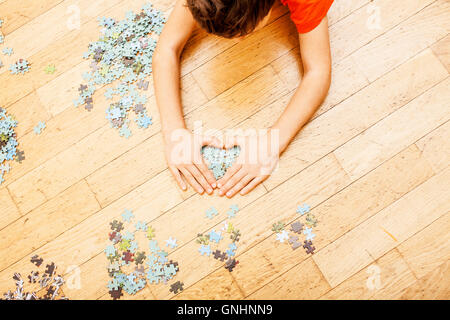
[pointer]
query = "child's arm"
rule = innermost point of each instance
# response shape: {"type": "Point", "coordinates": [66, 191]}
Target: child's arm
{"type": "Point", "coordinates": [316, 59]}
{"type": "Point", "coordinates": [166, 76]}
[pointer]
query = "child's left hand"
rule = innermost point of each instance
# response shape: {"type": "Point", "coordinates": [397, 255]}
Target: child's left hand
{"type": "Point", "coordinates": [254, 164]}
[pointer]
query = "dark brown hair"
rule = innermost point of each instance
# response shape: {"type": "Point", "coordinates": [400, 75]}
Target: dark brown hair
{"type": "Point", "coordinates": [229, 18]}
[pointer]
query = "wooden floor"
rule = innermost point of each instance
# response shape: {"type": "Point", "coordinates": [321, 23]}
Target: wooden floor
{"type": "Point", "coordinates": [373, 163]}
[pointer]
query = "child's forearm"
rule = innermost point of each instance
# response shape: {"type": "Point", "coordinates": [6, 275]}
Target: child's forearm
{"type": "Point", "coordinates": [166, 77]}
{"type": "Point", "coordinates": [304, 103]}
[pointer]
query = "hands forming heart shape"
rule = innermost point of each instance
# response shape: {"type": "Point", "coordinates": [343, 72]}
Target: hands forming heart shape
{"type": "Point", "coordinates": [219, 160]}
{"type": "Point", "coordinates": [204, 163]}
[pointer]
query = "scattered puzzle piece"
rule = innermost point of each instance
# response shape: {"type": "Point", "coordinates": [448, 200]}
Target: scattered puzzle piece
{"type": "Point", "coordinates": [176, 287]}
{"type": "Point", "coordinates": [50, 69]}
{"type": "Point", "coordinates": [38, 129]}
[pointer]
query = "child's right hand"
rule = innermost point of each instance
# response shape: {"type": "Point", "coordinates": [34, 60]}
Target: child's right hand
{"type": "Point", "coordinates": [183, 154]}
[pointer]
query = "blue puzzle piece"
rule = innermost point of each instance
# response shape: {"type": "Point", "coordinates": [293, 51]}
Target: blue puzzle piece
{"type": "Point", "coordinates": [205, 250]}
{"type": "Point", "coordinates": [303, 209]}
{"type": "Point", "coordinates": [215, 236]}
{"type": "Point", "coordinates": [127, 215]}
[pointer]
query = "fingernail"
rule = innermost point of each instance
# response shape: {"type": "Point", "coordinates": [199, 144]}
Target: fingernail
{"type": "Point", "coordinates": [210, 190]}
{"type": "Point", "coordinates": [229, 194]}
{"type": "Point", "coordinates": [220, 193]}
{"type": "Point", "coordinates": [214, 185]}
{"type": "Point", "coordinates": [219, 185]}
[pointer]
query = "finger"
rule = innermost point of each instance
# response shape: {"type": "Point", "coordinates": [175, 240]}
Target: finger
{"type": "Point", "coordinates": [233, 181]}
{"type": "Point", "coordinates": [207, 174]}
{"type": "Point", "coordinates": [176, 174]}
{"type": "Point", "coordinates": [200, 178]}
{"type": "Point", "coordinates": [200, 173]}
{"type": "Point", "coordinates": [191, 180]}
{"type": "Point", "coordinates": [230, 172]}
{"type": "Point", "coordinates": [252, 185]}
{"type": "Point", "coordinates": [238, 187]}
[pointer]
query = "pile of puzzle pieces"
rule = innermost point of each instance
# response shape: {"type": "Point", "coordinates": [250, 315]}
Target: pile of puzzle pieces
{"type": "Point", "coordinates": [123, 253]}
{"type": "Point", "coordinates": [297, 228]}
{"type": "Point", "coordinates": [124, 52]}
{"type": "Point", "coordinates": [48, 280]}
{"type": "Point", "coordinates": [20, 66]}
{"type": "Point", "coordinates": [219, 160]}
{"type": "Point", "coordinates": [213, 238]}
{"type": "Point", "coordinates": [8, 143]}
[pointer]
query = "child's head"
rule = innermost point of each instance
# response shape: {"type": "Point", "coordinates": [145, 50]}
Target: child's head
{"type": "Point", "coordinates": [229, 18]}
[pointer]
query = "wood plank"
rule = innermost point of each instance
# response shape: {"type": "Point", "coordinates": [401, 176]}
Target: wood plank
{"type": "Point", "coordinates": [90, 237]}
{"type": "Point", "coordinates": [357, 113]}
{"type": "Point", "coordinates": [428, 249]}
{"type": "Point", "coordinates": [304, 281]}
{"type": "Point", "coordinates": [15, 15]}
{"type": "Point", "coordinates": [217, 285]}
{"type": "Point", "coordinates": [343, 38]}
{"type": "Point", "coordinates": [391, 270]}
{"type": "Point", "coordinates": [386, 230]}
{"type": "Point", "coordinates": [435, 147]}
{"type": "Point", "coordinates": [395, 132]}
{"type": "Point", "coordinates": [9, 212]}
{"type": "Point", "coordinates": [434, 286]}
{"type": "Point", "coordinates": [404, 41]}
{"type": "Point", "coordinates": [246, 57]}
{"type": "Point", "coordinates": [45, 223]}
{"type": "Point", "coordinates": [357, 202]}
{"type": "Point", "coordinates": [442, 50]}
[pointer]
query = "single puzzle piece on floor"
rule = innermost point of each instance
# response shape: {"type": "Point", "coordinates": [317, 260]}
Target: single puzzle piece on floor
{"type": "Point", "coordinates": [211, 212]}
{"type": "Point", "coordinates": [50, 69]}
{"type": "Point", "coordinates": [303, 209]}
{"type": "Point", "coordinates": [282, 236]}
{"type": "Point", "coordinates": [36, 260]}
{"type": "Point", "coordinates": [278, 227]}
{"type": "Point", "coordinates": [309, 248]}
{"type": "Point", "coordinates": [176, 287]}
{"type": "Point", "coordinates": [215, 236]}
{"type": "Point", "coordinates": [231, 264]}
{"type": "Point", "coordinates": [297, 227]}
{"type": "Point", "coordinates": [39, 128]}
{"type": "Point", "coordinates": [219, 255]}
{"type": "Point", "coordinates": [311, 220]}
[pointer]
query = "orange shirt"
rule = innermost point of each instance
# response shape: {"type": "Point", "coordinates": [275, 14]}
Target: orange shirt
{"type": "Point", "coordinates": [307, 14]}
